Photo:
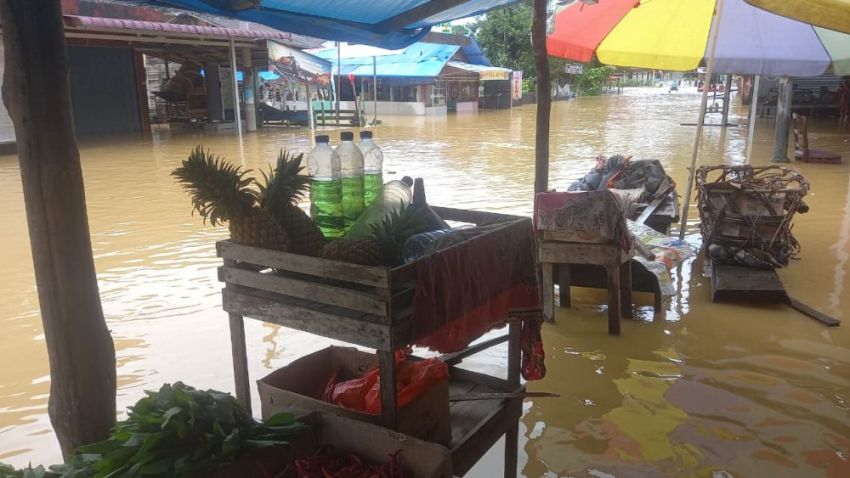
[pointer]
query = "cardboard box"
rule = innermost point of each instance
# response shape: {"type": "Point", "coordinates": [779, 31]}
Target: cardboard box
{"type": "Point", "coordinates": [419, 459]}
{"type": "Point", "coordinates": [301, 384]}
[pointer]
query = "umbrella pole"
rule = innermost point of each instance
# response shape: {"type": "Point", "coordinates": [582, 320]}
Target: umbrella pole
{"type": "Point", "coordinates": [544, 97]}
{"type": "Point", "coordinates": [703, 103]}
{"type": "Point", "coordinates": [375, 90]}
{"type": "Point", "coordinates": [754, 96]}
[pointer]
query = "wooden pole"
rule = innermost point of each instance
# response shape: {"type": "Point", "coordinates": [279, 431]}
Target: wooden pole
{"type": "Point", "coordinates": [783, 120]}
{"type": "Point", "coordinates": [544, 97]}
{"type": "Point", "coordinates": [698, 136]}
{"type": "Point", "coordinates": [233, 70]}
{"type": "Point", "coordinates": [727, 96]}
{"type": "Point", "coordinates": [338, 78]}
{"type": "Point", "coordinates": [36, 93]}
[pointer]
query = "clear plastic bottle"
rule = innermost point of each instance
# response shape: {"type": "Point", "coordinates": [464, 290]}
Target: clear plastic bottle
{"type": "Point", "coordinates": [326, 189]}
{"type": "Point", "coordinates": [393, 195]}
{"type": "Point", "coordinates": [373, 163]}
{"type": "Point", "coordinates": [351, 164]}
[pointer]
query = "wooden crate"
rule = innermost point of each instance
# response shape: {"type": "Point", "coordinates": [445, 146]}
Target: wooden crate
{"type": "Point", "coordinates": [368, 306]}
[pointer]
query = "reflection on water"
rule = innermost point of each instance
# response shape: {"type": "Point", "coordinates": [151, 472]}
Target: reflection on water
{"type": "Point", "coordinates": [700, 389]}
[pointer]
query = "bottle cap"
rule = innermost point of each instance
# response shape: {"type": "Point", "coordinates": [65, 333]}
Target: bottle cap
{"type": "Point", "coordinates": [323, 138]}
{"type": "Point", "coordinates": [346, 136]}
{"type": "Point", "coordinates": [365, 135]}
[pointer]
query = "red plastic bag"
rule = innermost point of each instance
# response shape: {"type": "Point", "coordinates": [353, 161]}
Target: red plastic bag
{"type": "Point", "coordinates": [412, 379]}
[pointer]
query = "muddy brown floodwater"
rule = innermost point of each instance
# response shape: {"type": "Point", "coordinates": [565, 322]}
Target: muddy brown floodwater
{"type": "Point", "coordinates": [699, 390]}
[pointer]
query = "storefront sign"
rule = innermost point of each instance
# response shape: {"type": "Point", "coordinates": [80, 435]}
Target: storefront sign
{"type": "Point", "coordinates": [516, 85]}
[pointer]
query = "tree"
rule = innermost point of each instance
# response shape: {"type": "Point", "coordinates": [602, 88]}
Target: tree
{"type": "Point", "coordinates": [79, 347]}
{"type": "Point", "coordinates": [505, 37]}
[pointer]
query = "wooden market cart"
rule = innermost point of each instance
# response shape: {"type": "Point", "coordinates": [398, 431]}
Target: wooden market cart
{"type": "Point", "coordinates": [373, 307]}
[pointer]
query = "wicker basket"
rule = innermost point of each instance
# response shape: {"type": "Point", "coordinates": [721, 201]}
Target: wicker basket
{"type": "Point", "coordinates": [749, 210]}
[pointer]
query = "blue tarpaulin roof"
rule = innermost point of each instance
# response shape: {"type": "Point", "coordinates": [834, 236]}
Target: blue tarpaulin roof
{"type": "Point", "coordinates": [420, 60]}
{"type": "Point", "coordinates": [386, 23]}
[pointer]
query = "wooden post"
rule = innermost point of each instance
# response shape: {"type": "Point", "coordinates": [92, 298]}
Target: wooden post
{"type": "Point", "coordinates": [239, 352]}
{"type": "Point", "coordinates": [754, 96]}
{"type": "Point", "coordinates": [36, 93]}
{"type": "Point", "coordinates": [544, 97]}
{"type": "Point", "coordinates": [727, 96]}
{"type": "Point", "coordinates": [783, 120]}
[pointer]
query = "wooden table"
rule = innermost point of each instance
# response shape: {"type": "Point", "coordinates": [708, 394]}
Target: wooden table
{"type": "Point", "coordinates": [371, 307]}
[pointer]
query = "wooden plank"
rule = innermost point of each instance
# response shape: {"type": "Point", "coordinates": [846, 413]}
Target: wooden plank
{"type": "Point", "coordinates": [455, 358]}
{"type": "Point", "coordinates": [811, 312]}
{"type": "Point", "coordinates": [581, 253]}
{"type": "Point", "coordinates": [240, 361]}
{"type": "Point", "coordinates": [511, 451]}
{"type": "Point", "coordinates": [500, 395]}
{"type": "Point", "coordinates": [489, 381]}
{"type": "Point", "coordinates": [303, 289]}
{"type": "Point", "coordinates": [344, 271]}
{"type": "Point", "coordinates": [745, 283]}
{"type": "Point", "coordinates": [389, 406]}
{"type": "Point", "coordinates": [514, 353]}
{"type": "Point", "coordinates": [300, 314]}
{"type": "Point", "coordinates": [499, 419]}
{"type": "Point", "coordinates": [474, 217]}
{"type": "Point", "coordinates": [652, 206]}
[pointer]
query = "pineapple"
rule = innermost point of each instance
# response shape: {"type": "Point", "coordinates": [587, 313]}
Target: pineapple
{"type": "Point", "coordinates": [384, 246]}
{"type": "Point", "coordinates": [280, 192]}
{"type": "Point", "coordinates": [221, 193]}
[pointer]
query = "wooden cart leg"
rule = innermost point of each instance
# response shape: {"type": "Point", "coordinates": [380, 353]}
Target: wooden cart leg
{"type": "Point", "coordinates": [657, 303]}
{"type": "Point", "coordinates": [389, 407]}
{"type": "Point", "coordinates": [240, 361]}
{"type": "Point", "coordinates": [626, 289]}
{"type": "Point", "coordinates": [511, 451]}
{"type": "Point", "coordinates": [613, 300]}
{"type": "Point", "coordinates": [548, 292]}
{"type": "Point", "coordinates": [564, 284]}
{"type": "Point", "coordinates": [514, 354]}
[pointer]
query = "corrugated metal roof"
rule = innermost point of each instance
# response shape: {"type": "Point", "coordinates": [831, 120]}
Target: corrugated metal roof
{"type": "Point", "coordinates": [420, 60]}
{"type": "Point", "coordinates": [102, 24]}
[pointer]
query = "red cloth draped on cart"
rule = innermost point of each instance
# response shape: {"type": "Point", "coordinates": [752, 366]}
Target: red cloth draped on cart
{"type": "Point", "coordinates": [466, 290]}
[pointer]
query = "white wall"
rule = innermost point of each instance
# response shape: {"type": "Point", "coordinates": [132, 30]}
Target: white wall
{"type": "Point", "coordinates": [389, 108]}
{"type": "Point", "coordinates": [7, 131]}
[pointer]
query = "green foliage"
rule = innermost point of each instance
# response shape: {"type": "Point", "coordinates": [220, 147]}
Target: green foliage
{"type": "Point", "coordinates": [505, 37]}
{"type": "Point", "coordinates": [7, 471]}
{"type": "Point", "coordinates": [591, 81]}
{"type": "Point", "coordinates": [219, 190]}
{"type": "Point", "coordinates": [177, 432]}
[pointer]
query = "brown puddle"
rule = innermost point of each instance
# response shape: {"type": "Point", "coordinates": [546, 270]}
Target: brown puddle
{"type": "Point", "coordinates": [701, 389]}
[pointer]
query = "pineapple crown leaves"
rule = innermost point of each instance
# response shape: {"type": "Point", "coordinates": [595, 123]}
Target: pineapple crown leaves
{"type": "Point", "coordinates": [396, 227]}
{"type": "Point", "coordinates": [284, 185]}
{"type": "Point", "coordinates": [220, 191]}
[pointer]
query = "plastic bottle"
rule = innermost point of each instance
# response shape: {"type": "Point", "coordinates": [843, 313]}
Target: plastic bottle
{"type": "Point", "coordinates": [373, 163]}
{"type": "Point", "coordinates": [326, 189]}
{"type": "Point", "coordinates": [433, 221]}
{"type": "Point", "coordinates": [351, 167]}
{"type": "Point", "coordinates": [393, 195]}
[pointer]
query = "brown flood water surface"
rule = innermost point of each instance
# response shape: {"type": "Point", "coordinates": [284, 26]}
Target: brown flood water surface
{"type": "Point", "coordinates": [698, 390]}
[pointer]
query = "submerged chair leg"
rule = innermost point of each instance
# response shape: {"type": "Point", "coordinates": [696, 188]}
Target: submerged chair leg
{"type": "Point", "coordinates": [613, 300]}
{"type": "Point", "coordinates": [564, 284]}
{"type": "Point", "coordinates": [626, 290]}
{"type": "Point", "coordinates": [548, 292]}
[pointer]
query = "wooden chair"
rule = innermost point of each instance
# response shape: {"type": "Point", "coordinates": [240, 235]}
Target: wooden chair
{"type": "Point", "coordinates": [615, 259]}
{"type": "Point", "coordinates": [802, 152]}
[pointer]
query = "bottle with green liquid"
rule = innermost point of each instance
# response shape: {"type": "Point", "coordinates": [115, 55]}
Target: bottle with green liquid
{"type": "Point", "coordinates": [351, 166]}
{"type": "Point", "coordinates": [373, 163]}
{"type": "Point", "coordinates": [326, 189]}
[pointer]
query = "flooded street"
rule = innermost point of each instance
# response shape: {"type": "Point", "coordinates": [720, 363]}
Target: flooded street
{"type": "Point", "coordinates": [698, 390]}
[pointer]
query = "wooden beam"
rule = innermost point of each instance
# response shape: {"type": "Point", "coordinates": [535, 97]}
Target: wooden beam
{"type": "Point", "coordinates": [544, 97]}
{"type": "Point", "coordinates": [415, 14]}
{"type": "Point", "coordinates": [37, 95]}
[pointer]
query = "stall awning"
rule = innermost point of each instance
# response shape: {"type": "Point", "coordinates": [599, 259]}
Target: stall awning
{"type": "Point", "coordinates": [485, 73]}
{"type": "Point", "coordinates": [420, 60]}
{"type": "Point", "coordinates": [386, 23]}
